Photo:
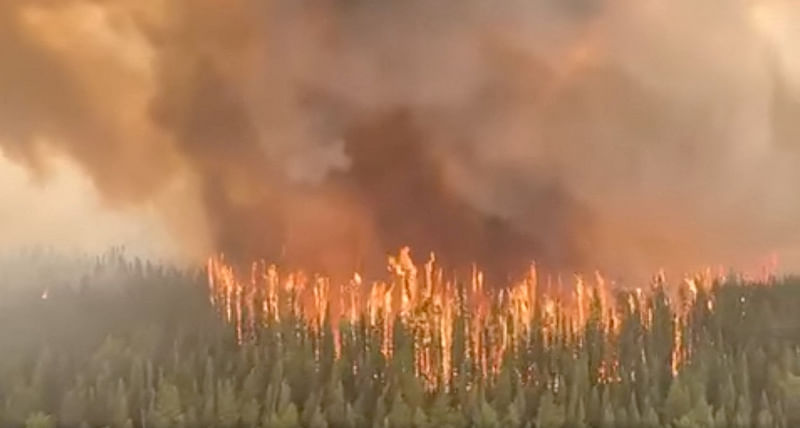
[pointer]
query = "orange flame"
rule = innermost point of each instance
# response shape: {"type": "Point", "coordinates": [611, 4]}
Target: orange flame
{"type": "Point", "coordinates": [429, 308]}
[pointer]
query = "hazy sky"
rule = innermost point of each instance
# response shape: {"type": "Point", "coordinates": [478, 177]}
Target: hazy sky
{"type": "Point", "coordinates": [63, 211]}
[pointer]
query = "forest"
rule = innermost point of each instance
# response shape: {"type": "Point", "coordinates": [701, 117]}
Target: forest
{"type": "Point", "coordinates": [114, 341]}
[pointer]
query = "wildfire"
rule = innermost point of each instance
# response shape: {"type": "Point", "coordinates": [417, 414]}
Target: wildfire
{"type": "Point", "coordinates": [432, 309]}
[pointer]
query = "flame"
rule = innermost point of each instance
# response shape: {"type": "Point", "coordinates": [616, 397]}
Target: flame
{"type": "Point", "coordinates": [430, 309]}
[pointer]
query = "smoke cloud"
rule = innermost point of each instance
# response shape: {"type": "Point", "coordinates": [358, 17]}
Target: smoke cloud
{"type": "Point", "coordinates": [63, 214]}
{"type": "Point", "coordinates": [623, 135]}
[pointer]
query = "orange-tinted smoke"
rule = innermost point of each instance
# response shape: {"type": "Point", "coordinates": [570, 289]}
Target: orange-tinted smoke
{"type": "Point", "coordinates": [621, 135]}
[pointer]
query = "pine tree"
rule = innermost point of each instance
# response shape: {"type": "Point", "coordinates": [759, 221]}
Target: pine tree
{"type": "Point", "coordinates": [208, 377]}
{"type": "Point", "coordinates": [208, 415]}
{"type": "Point", "coordinates": [512, 418]}
{"type": "Point", "coordinates": [227, 405]}
{"type": "Point", "coordinates": [727, 395]}
{"type": "Point", "coordinates": [702, 415]}
{"type": "Point", "coordinates": [380, 416]}
{"type": "Point", "coordinates": [40, 420]}
{"type": "Point", "coordinates": [677, 403]}
{"type": "Point", "coordinates": [399, 413]}
{"type": "Point", "coordinates": [335, 406]}
{"type": "Point", "coordinates": [743, 416]}
{"type": "Point", "coordinates": [634, 416]}
{"type": "Point", "coordinates": [168, 404]}
{"type": "Point", "coordinates": [764, 418]}
{"type": "Point", "coordinates": [621, 417]}
{"type": "Point", "coordinates": [352, 419]}
{"type": "Point", "coordinates": [741, 376]}
{"type": "Point", "coordinates": [649, 415]}
{"type": "Point", "coordinates": [791, 399]}
{"type": "Point", "coordinates": [485, 417]}
{"type": "Point", "coordinates": [251, 412]}
{"type": "Point", "coordinates": [419, 420]}
{"type": "Point", "coordinates": [503, 390]}
{"type": "Point", "coordinates": [550, 414]}
{"type": "Point", "coordinates": [289, 417]}
{"type": "Point", "coordinates": [317, 419]}
{"type": "Point", "coordinates": [608, 419]}
{"type": "Point", "coordinates": [720, 419]}
{"type": "Point", "coordinates": [191, 417]}
{"type": "Point", "coordinates": [22, 401]}
{"type": "Point", "coordinates": [580, 416]}
{"type": "Point", "coordinates": [413, 392]}
{"type": "Point", "coordinates": [310, 407]}
{"type": "Point", "coordinates": [73, 407]}
{"type": "Point", "coordinates": [251, 388]}
{"type": "Point", "coordinates": [443, 414]}
{"type": "Point", "coordinates": [120, 413]}
{"type": "Point", "coordinates": [594, 411]}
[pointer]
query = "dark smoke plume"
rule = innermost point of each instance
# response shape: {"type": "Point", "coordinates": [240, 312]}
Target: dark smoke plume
{"type": "Point", "coordinates": [586, 133]}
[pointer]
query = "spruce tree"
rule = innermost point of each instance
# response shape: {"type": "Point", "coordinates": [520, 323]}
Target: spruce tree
{"type": "Point", "coordinates": [73, 407]}
{"type": "Point", "coordinates": [208, 413]}
{"type": "Point", "coordinates": [227, 405]}
{"type": "Point", "coordinates": [608, 420]}
{"type": "Point", "coordinates": [485, 417]}
{"type": "Point", "coordinates": [721, 419]}
{"type": "Point", "coordinates": [335, 406]}
{"type": "Point", "coordinates": [289, 416]}
{"type": "Point", "coordinates": [40, 420]}
{"type": "Point", "coordinates": [743, 416]}
{"type": "Point", "coordinates": [419, 419]}
{"type": "Point", "coordinates": [702, 415]}
{"type": "Point", "coordinates": [503, 390]}
{"type": "Point", "coordinates": [317, 419]}
{"type": "Point", "coordinates": [550, 414]}
{"type": "Point", "coordinates": [400, 415]}
{"type": "Point", "coordinates": [791, 399]}
{"type": "Point", "coordinates": [634, 416]}
{"type": "Point", "coordinates": [251, 412]}
{"type": "Point", "coordinates": [678, 403]}
{"type": "Point", "coordinates": [22, 401]}
{"type": "Point", "coordinates": [168, 405]}
{"type": "Point", "coordinates": [764, 418]}
{"type": "Point", "coordinates": [649, 415]}
{"type": "Point", "coordinates": [120, 412]}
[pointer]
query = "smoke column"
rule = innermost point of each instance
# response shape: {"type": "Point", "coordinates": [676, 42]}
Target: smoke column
{"type": "Point", "coordinates": [624, 135]}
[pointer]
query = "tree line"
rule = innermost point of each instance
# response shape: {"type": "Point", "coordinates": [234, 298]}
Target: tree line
{"type": "Point", "coordinates": [133, 344]}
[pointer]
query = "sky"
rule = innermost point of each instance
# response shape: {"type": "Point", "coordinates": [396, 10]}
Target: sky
{"type": "Point", "coordinates": [63, 211]}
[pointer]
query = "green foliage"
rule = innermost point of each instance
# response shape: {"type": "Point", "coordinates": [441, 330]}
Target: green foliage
{"type": "Point", "coordinates": [550, 414]}
{"type": "Point", "coordinates": [678, 402]}
{"type": "Point", "coordinates": [40, 420]}
{"type": "Point", "coordinates": [790, 388]}
{"type": "Point", "coordinates": [720, 419]}
{"type": "Point", "coordinates": [168, 410]}
{"type": "Point", "coordinates": [649, 416]}
{"type": "Point", "coordinates": [400, 415]}
{"type": "Point", "coordinates": [153, 353]}
{"type": "Point", "coordinates": [251, 412]}
{"type": "Point", "coordinates": [483, 415]}
{"type": "Point", "coordinates": [22, 401]}
{"type": "Point", "coordinates": [73, 407]}
{"type": "Point", "coordinates": [227, 405]}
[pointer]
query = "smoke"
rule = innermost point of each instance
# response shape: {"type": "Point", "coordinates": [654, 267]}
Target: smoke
{"type": "Point", "coordinates": [623, 135]}
{"type": "Point", "coordinates": [63, 214]}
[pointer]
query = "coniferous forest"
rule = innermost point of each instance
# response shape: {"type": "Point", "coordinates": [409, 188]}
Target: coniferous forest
{"type": "Point", "coordinates": [119, 342]}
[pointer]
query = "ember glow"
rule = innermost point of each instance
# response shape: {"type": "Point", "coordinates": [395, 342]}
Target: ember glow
{"type": "Point", "coordinates": [432, 307]}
